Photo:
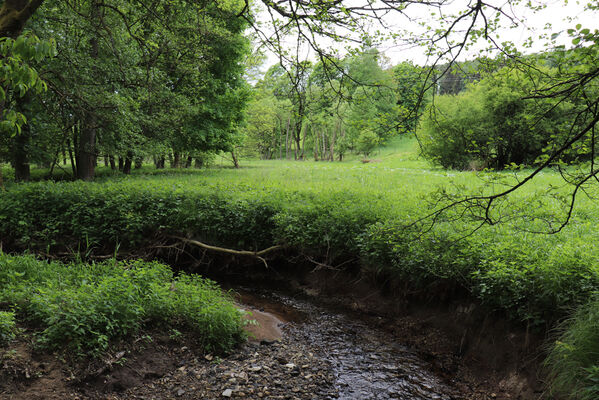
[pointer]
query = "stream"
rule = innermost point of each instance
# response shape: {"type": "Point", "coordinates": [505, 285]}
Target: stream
{"type": "Point", "coordinates": [365, 361]}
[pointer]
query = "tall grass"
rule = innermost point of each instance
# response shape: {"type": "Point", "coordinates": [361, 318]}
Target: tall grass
{"type": "Point", "coordinates": [573, 361]}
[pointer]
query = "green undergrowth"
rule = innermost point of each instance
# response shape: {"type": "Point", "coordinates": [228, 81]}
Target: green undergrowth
{"type": "Point", "coordinates": [573, 362]}
{"type": "Point", "coordinates": [348, 213]}
{"type": "Point", "coordinates": [530, 277]}
{"type": "Point", "coordinates": [7, 327]}
{"type": "Point", "coordinates": [86, 307]}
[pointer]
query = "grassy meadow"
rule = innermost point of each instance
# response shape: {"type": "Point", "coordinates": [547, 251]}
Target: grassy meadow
{"type": "Point", "coordinates": [336, 211]}
{"type": "Point", "coordinates": [339, 213]}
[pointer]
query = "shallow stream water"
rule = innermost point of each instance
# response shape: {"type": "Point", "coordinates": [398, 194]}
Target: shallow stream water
{"type": "Point", "coordinates": [366, 362]}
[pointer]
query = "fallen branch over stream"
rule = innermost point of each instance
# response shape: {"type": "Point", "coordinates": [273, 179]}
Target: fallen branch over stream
{"type": "Point", "coordinates": [247, 253]}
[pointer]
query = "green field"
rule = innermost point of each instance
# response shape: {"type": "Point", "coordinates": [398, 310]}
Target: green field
{"type": "Point", "coordinates": [335, 211]}
{"type": "Point", "coordinates": [349, 213]}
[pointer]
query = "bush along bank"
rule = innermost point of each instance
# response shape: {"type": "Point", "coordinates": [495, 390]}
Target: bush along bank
{"type": "Point", "coordinates": [532, 278]}
{"type": "Point", "coordinates": [87, 307]}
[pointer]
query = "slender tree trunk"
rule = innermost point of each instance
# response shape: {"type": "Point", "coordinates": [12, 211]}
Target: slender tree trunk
{"type": "Point", "coordinates": [121, 163]}
{"type": "Point", "coordinates": [86, 163]}
{"type": "Point", "coordinates": [297, 138]}
{"type": "Point", "coordinates": [287, 139]}
{"type": "Point", "coordinates": [112, 162]}
{"type": "Point", "coordinates": [128, 162]}
{"type": "Point", "coordinates": [324, 146]}
{"type": "Point", "coordinates": [55, 161]}
{"type": "Point", "coordinates": [316, 147]}
{"type": "Point", "coordinates": [332, 145]}
{"type": "Point", "coordinates": [235, 161]}
{"type": "Point", "coordinates": [176, 160]}
{"type": "Point", "coordinates": [294, 143]}
{"type": "Point", "coordinates": [106, 160]}
{"type": "Point", "coordinates": [160, 162]}
{"type": "Point", "coordinates": [72, 158]}
{"type": "Point", "coordinates": [21, 144]}
{"type": "Point", "coordinates": [342, 137]}
{"type": "Point", "coordinates": [303, 144]}
{"type": "Point", "coordinates": [189, 161]}
{"type": "Point", "coordinates": [281, 145]}
{"type": "Point", "coordinates": [20, 156]}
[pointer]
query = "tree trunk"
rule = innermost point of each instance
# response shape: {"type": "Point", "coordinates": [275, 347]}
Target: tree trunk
{"type": "Point", "coordinates": [235, 161]}
{"type": "Point", "coordinates": [303, 144]}
{"type": "Point", "coordinates": [112, 163]}
{"type": "Point", "coordinates": [316, 147]}
{"type": "Point", "coordinates": [86, 163]}
{"type": "Point", "coordinates": [199, 163]}
{"type": "Point", "coordinates": [72, 158]}
{"type": "Point", "coordinates": [281, 145]}
{"type": "Point", "coordinates": [121, 163]}
{"type": "Point", "coordinates": [176, 161]}
{"type": "Point", "coordinates": [20, 146]}
{"type": "Point", "coordinates": [188, 162]}
{"type": "Point", "coordinates": [128, 162]}
{"type": "Point", "coordinates": [106, 160]}
{"type": "Point", "coordinates": [139, 162]}
{"type": "Point", "coordinates": [287, 140]}
{"type": "Point", "coordinates": [160, 162]}
{"type": "Point", "coordinates": [324, 145]}
{"type": "Point", "coordinates": [332, 145]}
{"type": "Point", "coordinates": [20, 156]}
{"type": "Point", "coordinates": [14, 14]}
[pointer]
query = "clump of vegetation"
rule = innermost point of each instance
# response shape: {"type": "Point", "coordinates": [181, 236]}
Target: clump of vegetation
{"type": "Point", "coordinates": [85, 307]}
{"type": "Point", "coordinates": [356, 218]}
{"type": "Point", "coordinates": [494, 123]}
{"type": "Point", "coordinates": [7, 327]}
{"type": "Point", "coordinates": [573, 362]}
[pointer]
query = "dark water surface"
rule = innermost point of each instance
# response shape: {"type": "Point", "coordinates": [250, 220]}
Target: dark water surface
{"type": "Point", "coordinates": [367, 362]}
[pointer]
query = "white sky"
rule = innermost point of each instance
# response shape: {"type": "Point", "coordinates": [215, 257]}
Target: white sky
{"type": "Point", "coordinates": [561, 16]}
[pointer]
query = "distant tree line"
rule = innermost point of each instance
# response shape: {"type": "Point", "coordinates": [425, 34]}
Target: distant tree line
{"type": "Point", "coordinates": [327, 109]}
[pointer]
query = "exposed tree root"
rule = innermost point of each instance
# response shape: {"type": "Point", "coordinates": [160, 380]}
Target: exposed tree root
{"type": "Point", "coordinates": [254, 254]}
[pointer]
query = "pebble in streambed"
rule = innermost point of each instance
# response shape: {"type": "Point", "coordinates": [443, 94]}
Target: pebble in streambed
{"type": "Point", "coordinates": [365, 363]}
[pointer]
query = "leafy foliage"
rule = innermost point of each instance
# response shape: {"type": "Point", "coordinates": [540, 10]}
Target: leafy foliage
{"type": "Point", "coordinates": [496, 123]}
{"type": "Point", "coordinates": [7, 327]}
{"type": "Point", "coordinates": [86, 307]}
{"type": "Point", "coordinates": [332, 214]}
{"type": "Point", "coordinates": [19, 77]}
{"type": "Point", "coordinates": [573, 362]}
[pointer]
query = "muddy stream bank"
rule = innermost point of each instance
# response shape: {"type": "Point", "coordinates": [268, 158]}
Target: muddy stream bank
{"type": "Point", "coordinates": [308, 340]}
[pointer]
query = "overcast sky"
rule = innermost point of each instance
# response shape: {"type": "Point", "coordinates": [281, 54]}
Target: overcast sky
{"type": "Point", "coordinates": [558, 13]}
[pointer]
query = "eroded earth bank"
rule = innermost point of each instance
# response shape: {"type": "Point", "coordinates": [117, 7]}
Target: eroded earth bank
{"type": "Point", "coordinates": [324, 336]}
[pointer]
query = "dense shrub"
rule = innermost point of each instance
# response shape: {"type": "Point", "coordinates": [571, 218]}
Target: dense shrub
{"type": "Point", "coordinates": [494, 123]}
{"type": "Point", "coordinates": [529, 277]}
{"type": "Point", "coordinates": [86, 306]}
